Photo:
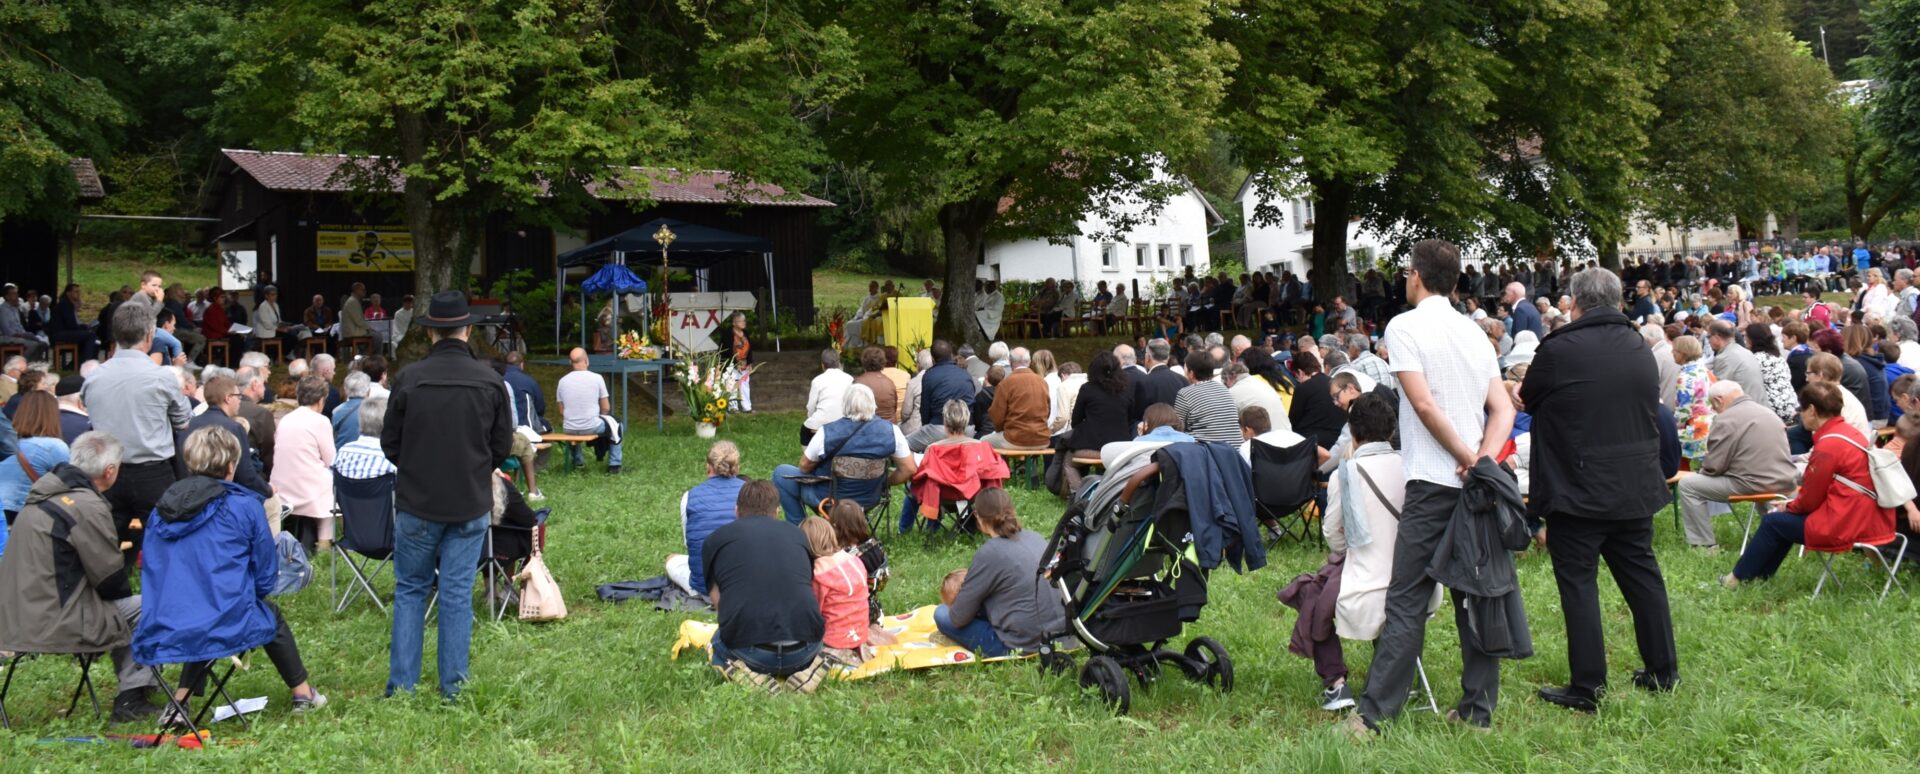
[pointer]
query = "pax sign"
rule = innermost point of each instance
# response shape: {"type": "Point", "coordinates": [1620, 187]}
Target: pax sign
{"type": "Point", "coordinates": [696, 315]}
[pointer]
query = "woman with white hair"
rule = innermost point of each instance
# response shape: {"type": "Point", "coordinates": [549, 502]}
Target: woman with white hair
{"type": "Point", "coordinates": [1877, 300]}
{"type": "Point", "coordinates": [864, 441]}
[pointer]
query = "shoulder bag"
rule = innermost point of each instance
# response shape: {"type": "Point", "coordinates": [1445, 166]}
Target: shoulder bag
{"type": "Point", "coordinates": [1891, 486]}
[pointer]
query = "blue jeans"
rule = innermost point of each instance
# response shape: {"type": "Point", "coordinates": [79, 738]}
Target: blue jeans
{"type": "Point", "coordinates": [578, 451]}
{"type": "Point", "coordinates": [766, 661]}
{"type": "Point", "coordinates": [421, 547]}
{"type": "Point", "coordinates": [797, 500]}
{"type": "Point", "coordinates": [977, 636]}
{"type": "Point", "coordinates": [1778, 532]}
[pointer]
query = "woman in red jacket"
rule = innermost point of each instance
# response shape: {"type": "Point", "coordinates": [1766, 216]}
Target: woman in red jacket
{"type": "Point", "coordinates": [1836, 515]}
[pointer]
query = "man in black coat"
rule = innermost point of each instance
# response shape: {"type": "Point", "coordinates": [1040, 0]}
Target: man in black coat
{"type": "Point", "coordinates": [1159, 385]}
{"type": "Point", "coordinates": [1594, 396]}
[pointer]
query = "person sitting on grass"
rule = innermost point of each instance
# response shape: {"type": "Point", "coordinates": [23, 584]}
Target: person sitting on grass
{"type": "Point", "coordinates": [851, 530]}
{"type": "Point", "coordinates": [706, 507]}
{"type": "Point", "coordinates": [207, 565]}
{"type": "Point", "coordinates": [859, 435]}
{"type": "Point", "coordinates": [840, 586]}
{"type": "Point", "coordinates": [759, 572]}
{"type": "Point", "coordinates": [1834, 508]}
{"type": "Point", "coordinates": [1004, 604]}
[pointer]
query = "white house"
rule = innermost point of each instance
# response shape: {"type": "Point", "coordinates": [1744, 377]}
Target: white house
{"type": "Point", "coordinates": [1288, 246]}
{"type": "Point", "coordinates": [1154, 251]}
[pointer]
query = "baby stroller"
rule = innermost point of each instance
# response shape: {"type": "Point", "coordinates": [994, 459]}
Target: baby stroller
{"type": "Point", "coordinates": [1130, 578]}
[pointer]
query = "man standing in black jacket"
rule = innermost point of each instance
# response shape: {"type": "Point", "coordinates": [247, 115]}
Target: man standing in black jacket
{"type": "Point", "coordinates": [1597, 482]}
{"type": "Point", "coordinates": [1159, 385]}
{"type": "Point", "coordinates": [448, 427]}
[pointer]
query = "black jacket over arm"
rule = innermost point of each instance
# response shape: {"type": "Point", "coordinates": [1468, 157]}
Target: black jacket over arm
{"type": "Point", "coordinates": [1594, 392]}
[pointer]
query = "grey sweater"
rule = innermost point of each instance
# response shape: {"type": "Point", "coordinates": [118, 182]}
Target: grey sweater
{"type": "Point", "coordinates": [1003, 583]}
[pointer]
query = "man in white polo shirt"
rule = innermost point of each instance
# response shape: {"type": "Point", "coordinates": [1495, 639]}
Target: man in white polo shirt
{"type": "Point", "coordinates": [1453, 411]}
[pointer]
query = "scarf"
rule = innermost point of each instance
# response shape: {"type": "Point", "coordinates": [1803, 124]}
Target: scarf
{"type": "Point", "coordinates": [1351, 500]}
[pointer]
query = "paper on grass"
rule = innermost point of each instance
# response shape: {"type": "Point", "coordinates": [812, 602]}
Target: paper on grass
{"type": "Point", "coordinates": [245, 707]}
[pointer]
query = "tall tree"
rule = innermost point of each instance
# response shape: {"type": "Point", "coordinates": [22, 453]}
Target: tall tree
{"type": "Point", "coordinates": [1836, 30]}
{"type": "Point", "coordinates": [1508, 127]}
{"type": "Point", "coordinates": [52, 109]}
{"type": "Point", "coordinates": [1876, 181]}
{"type": "Point", "coordinates": [1060, 107]}
{"type": "Point", "coordinates": [1746, 126]}
{"type": "Point", "coordinates": [1895, 64]}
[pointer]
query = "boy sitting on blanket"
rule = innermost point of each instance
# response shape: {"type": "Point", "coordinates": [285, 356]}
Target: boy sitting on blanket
{"type": "Point", "coordinates": [760, 577]}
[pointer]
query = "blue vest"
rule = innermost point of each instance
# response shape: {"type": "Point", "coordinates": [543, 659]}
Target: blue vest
{"type": "Point", "coordinates": [710, 506]}
{"type": "Point", "coordinates": [872, 439]}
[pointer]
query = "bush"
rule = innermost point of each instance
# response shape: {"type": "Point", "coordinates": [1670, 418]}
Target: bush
{"type": "Point", "coordinates": [857, 260]}
{"type": "Point", "coordinates": [532, 301]}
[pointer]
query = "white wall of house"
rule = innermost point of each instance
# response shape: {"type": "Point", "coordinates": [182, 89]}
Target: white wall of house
{"type": "Point", "coordinates": [1288, 246]}
{"type": "Point", "coordinates": [1664, 239]}
{"type": "Point", "coordinates": [1157, 250]}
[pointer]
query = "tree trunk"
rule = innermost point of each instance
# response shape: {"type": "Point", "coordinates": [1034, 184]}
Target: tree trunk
{"type": "Point", "coordinates": [1790, 228]}
{"type": "Point", "coordinates": [445, 237]}
{"type": "Point", "coordinates": [1332, 209]}
{"type": "Point", "coordinates": [963, 228]}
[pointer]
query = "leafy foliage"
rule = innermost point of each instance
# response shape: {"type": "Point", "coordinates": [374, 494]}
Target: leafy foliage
{"type": "Point", "coordinates": [49, 111]}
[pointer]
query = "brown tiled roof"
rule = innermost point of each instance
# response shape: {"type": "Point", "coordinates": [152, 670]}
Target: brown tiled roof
{"type": "Point", "coordinates": [280, 171]}
{"type": "Point", "coordinates": [88, 179]}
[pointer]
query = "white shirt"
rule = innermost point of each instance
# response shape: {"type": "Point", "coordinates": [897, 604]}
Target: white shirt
{"type": "Point", "coordinates": [1254, 391]}
{"type": "Point", "coordinates": [1452, 353]}
{"type": "Point", "coordinates": [1910, 355]}
{"type": "Point", "coordinates": [579, 394]}
{"type": "Point", "coordinates": [826, 401]}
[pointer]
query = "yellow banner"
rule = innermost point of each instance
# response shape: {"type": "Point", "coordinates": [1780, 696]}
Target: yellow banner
{"type": "Point", "coordinates": [364, 248]}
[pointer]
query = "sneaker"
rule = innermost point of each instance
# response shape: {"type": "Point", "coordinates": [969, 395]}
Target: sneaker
{"type": "Point", "coordinates": [1454, 717]}
{"type": "Point", "coordinates": [302, 706]}
{"type": "Point", "coordinates": [1337, 698]}
{"type": "Point", "coordinates": [536, 496]}
{"type": "Point", "coordinates": [1357, 729]}
{"type": "Point", "coordinates": [172, 718]}
{"type": "Point", "coordinates": [613, 470]}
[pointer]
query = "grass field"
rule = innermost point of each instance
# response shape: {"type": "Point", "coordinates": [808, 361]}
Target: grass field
{"type": "Point", "coordinates": [847, 289]}
{"type": "Point", "coordinates": [100, 274]}
{"type": "Point", "coordinates": [1773, 681]}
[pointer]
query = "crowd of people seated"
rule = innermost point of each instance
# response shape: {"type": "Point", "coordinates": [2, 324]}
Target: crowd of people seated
{"type": "Point", "coordinates": [134, 460]}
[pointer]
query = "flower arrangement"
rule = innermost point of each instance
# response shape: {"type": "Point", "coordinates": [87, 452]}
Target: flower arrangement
{"type": "Point", "coordinates": [633, 345]}
{"type": "Point", "coordinates": [711, 384]}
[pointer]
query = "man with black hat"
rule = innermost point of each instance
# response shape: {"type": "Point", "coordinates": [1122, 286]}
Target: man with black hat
{"type": "Point", "coordinates": [73, 414]}
{"type": "Point", "coordinates": [449, 425]}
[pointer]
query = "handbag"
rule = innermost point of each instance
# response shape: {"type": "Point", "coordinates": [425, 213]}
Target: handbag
{"type": "Point", "coordinates": [1892, 487]}
{"type": "Point", "coordinates": [540, 598]}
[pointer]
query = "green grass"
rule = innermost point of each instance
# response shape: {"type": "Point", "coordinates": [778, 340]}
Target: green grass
{"type": "Point", "coordinates": [832, 288]}
{"type": "Point", "coordinates": [1773, 681]}
{"type": "Point", "coordinates": [100, 274]}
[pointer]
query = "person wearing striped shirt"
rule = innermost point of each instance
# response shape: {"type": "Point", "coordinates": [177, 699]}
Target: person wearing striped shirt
{"type": "Point", "coordinates": [362, 457]}
{"type": "Point", "coordinates": [1206, 407]}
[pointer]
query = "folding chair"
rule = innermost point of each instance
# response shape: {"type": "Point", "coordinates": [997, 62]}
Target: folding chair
{"type": "Point", "coordinates": [507, 546]}
{"type": "Point", "coordinates": [1893, 570]}
{"type": "Point", "coordinates": [184, 707]}
{"type": "Point", "coordinates": [1282, 487]}
{"type": "Point", "coordinates": [86, 683]}
{"type": "Point", "coordinates": [366, 511]}
{"type": "Point", "coordinates": [861, 479]}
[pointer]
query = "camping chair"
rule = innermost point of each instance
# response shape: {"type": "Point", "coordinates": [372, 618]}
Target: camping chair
{"type": "Point", "coordinates": [507, 547]}
{"type": "Point", "coordinates": [1893, 569]}
{"type": "Point", "coordinates": [861, 479]}
{"type": "Point", "coordinates": [1282, 487]}
{"type": "Point", "coordinates": [219, 693]}
{"type": "Point", "coordinates": [366, 511]}
{"type": "Point", "coordinates": [86, 683]}
{"type": "Point", "coordinates": [988, 470]}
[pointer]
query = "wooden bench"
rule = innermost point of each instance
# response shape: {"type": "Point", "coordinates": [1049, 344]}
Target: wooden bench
{"type": "Point", "coordinates": [1033, 460]}
{"type": "Point", "coordinates": [357, 346]}
{"type": "Point", "coordinates": [276, 355]}
{"type": "Point", "coordinates": [1883, 435]}
{"type": "Point", "coordinates": [313, 346]}
{"type": "Point", "coordinates": [570, 440]}
{"type": "Point", "coordinates": [217, 353]}
{"type": "Point", "coordinates": [10, 350]}
{"type": "Point", "coordinates": [1086, 463]}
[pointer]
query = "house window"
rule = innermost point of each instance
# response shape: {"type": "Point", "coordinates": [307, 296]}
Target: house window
{"type": "Point", "coordinates": [1302, 215]}
{"type": "Point", "coordinates": [1186, 255]}
{"type": "Point", "coordinates": [1109, 255]}
{"type": "Point", "coordinates": [1164, 249]}
{"type": "Point", "coordinates": [1140, 255]}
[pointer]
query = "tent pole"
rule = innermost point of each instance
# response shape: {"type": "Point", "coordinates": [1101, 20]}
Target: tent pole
{"type": "Point", "coordinates": [773, 288]}
{"type": "Point", "coordinates": [559, 292]}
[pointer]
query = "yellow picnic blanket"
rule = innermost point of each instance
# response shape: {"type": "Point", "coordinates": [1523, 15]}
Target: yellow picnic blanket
{"type": "Point", "coordinates": [918, 645]}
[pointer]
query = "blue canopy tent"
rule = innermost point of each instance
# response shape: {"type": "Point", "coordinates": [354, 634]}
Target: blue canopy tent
{"type": "Point", "coordinates": [693, 247]}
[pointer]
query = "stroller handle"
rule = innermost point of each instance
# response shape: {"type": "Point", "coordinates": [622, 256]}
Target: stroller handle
{"type": "Point", "coordinates": [1151, 470]}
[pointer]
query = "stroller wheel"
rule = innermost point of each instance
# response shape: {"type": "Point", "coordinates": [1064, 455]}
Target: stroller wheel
{"type": "Point", "coordinates": [1209, 656]}
{"type": "Point", "coordinates": [1194, 670]}
{"type": "Point", "coordinates": [1054, 663]}
{"type": "Point", "coordinates": [1104, 673]}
